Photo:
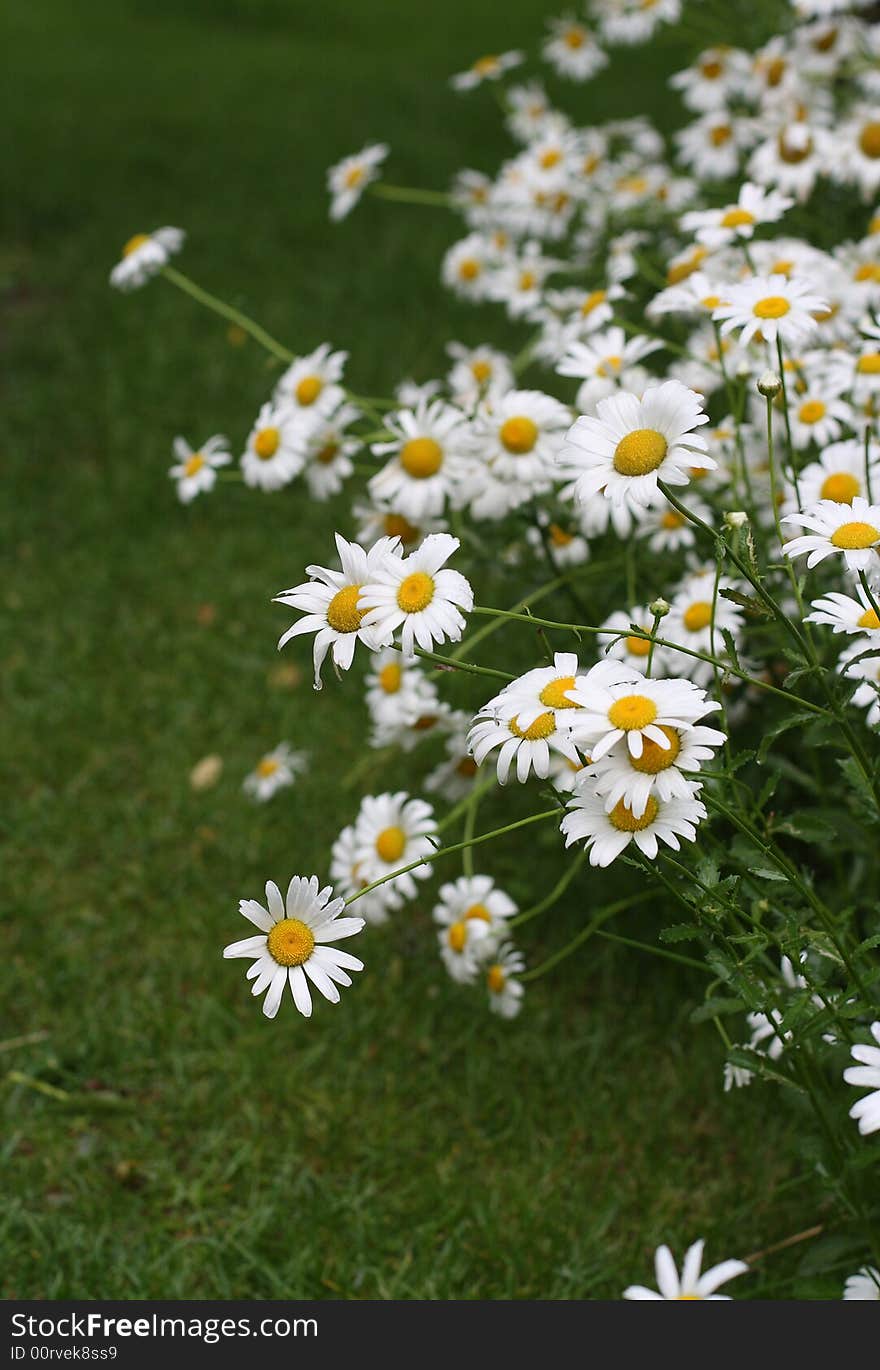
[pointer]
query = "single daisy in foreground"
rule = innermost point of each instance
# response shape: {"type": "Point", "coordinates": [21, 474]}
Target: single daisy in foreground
{"type": "Point", "coordinates": [853, 529]}
{"type": "Point", "coordinates": [690, 1284]}
{"type": "Point", "coordinates": [144, 255]}
{"type": "Point", "coordinates": [633, 443]}
{"type": "Point", "coordinates": [274, 772]}
{"type": "Point", "coordinates": [866, 1075]}
{"type": "Point", "coordinates": [293, 945]}
{"type": "Point", "coordinates": [196, 468]}
{"type": "Point", "coordinates": [348, 179]}
{"type": "Point", "coordinates": [415, 595]}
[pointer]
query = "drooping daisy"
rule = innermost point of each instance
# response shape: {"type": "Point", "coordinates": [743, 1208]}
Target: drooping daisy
{"type": "Point", "coordinates": [632, 443]}
{"type": "Point", "coordinates": [501, 971]}
{"type": "Point", "coordinates": [690, 1284]}
{"type": "Point", "coordinates": [392, 831]}
{"type": "Point", "coordinates": [853, 529]}
{"type": "Point", "coordinates": [518, 436]}
{"type": "Point", "coordinates": [196, 468]}
{"type": "Point", "coordinates": [347, 180]}
{"type": "Point", "coordinates": [618, 702]}
{"type": "Point", "coordinates": [663, 772]}
{"type": "Point", "coordinates": [488, 68]}
{"type": "Point", "coordinates": [426, 463]}
{"type": "Point", "coordinates": [293, 945]}
{"type": "Point", "coordinates": [866, 1075]}
{"type": "Point", "coordinates": [274, 772]}
{"type": "Point", "coordinates": [865, 1284]}
{"type": "Point", "coordinates": [845, 614]}
{"type": "Point", "coordinates": [755, 205]}
{"type": "Point", "coordinates": [606, 834]}
{"type": "Point", "coordinates": [144, 255]}
{"type": "Point", "coordinates": [572, 50]}
{"type": "Point", "coordinates": [332, 606]}
{"type": "Point", "coordinates": [772, 306]}
{"type": "Point", "coordinates": [310, 386]}
{"type": "Point", "coordinates": [273, 455]}
{"type": "Point", "coordinates": [417, 596]}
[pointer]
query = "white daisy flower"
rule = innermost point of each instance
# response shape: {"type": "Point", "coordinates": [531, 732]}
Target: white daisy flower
{"type": "Point", "coordinates": [477, 373]}
{"type": "Point", "coordinates": [545, 687]}
{"type": "Point", "coordinates": [866, 1075]}
{"type": "Point", "coordinates": [568, 545]}
{"type": "Point", "coordinates": [532, 746]}
{"type": "Point", "coordinates": [391, 831]}
{"type": "Point", "coordinates": [273, 455]}
{"type": "Point", "coordinates": [144, 255]}
{"type": "Point", "coordinates": [332, 605]}
{"type": "Point", "coordinates": [196, 468]}
{"type": "Point", "coordinates": [632, 22]}
{"type": "Point", "coordinates": [518, 279]}
{"type": "Point", "coordinates": [669, 531]}
{"type": "Point", "coordinates": [274, 772]}
{"type": "Point", "coordinates": [474, 898]}
{"type": "Point", "coordinates": [697, 294]}
{"type": "Point", "coordinates": [792, 159]}
{"type": "Point", "coordinates": [690, 1284]}
{"type": "Point", "coordinates": [865, 1284]}
{"type": "Point", "coordinates": [606, 834]}
{"type": "Point", "coordinates": [838, 475]}
{"type": "Point", "coordinates": [712, 146]}
{"type": "Point", "coordinates": [618, 702]}
{"type": "Point", "coordinates": [632, 443]}
{"type": "Point", "coordinates": [571, 49]}
{"type": "Point", "coordinates": [488, 68]}
{"type": "Point", "coordinates": [397, 689]}
{"type": "Point", "coordinates": [415, 595]}
{"type": "Point", "coordinates": [328, 450]}
{"type": "Point", "coordinates": [853, 529]}
{"type": "Point", "coordinates": [755, 205]}
{"type": "Point", "coordinates": [772, 306]}
{"type": "Point", "coordinates": [293, 945]}
{"type": "Point", "coordinates": [854, 664]}
{"type": "Point", "coordinates": [607, 361]}
{"type": "Point", "coordinates": [659, 771]}
{"type": "Point", "coordinates": [459, 945]}
{"type": "Point", "coordinates": [375, 908]}
{"type": "Point", "coordinates": [505, 990]}
{"type": "Point", "coordinates": [715, 76]}
{"type": "Point", "coordinates": [517, 437]}
{"type": "Point", "coordinates": [689, 624]}
{"type": "Point", "coordinates": [427, 465]}
{"type": "Point", "coordinates": [858, 151]}
{"type": "Point", "coordinates": [816, 415]}
{"type": "Point", "coordinates": [347, 180]}
{"type": "Point", "coordinates": [310, 386]}
{"type": "Point", "coordinates": [467, 266]}
{"type": "Point", "coordinates": [529, 108]}
{"type": "Point", "coordinates": [845, 614]}
{"type": "Point", "coordinates": [623, 646]}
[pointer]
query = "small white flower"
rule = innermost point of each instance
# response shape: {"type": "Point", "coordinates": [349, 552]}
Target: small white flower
{"type": "Point", "coordinates": [772, 306]}
{"type": "Point", "coordinates": [426, 466]}
{"type": "Point", "coordinates": [505, 990]}
{"type": "Point", "coordinates": [690, 1284]}
{"type": "Point", "coordinates": [853, 529]}
{"type": "Point", "coordinates": [606, 834]}
{"type": "Point", "coordinates": [755, 205]}
{"type": "Point", "coordinates": [392, 831]}
{"type": "Point", "coordinates": [196, 468]}
{"type": "Point", "coordinates": [473, 899]}
{"type": "Point", "coordinates": [415, 595]}
{"type": "Point", "coordinates": [348, 179]}
{"type": "Point", "coordinates": [144, 255]}
{"type": "Point", "coordinates": [348, 878]}
{"type": "Point", "coordinates": [310, 387]}
{"type": "Point", "coordinates": [293, 944]}
{"type": "Point", "coordinates": [274, 454]}
{"type": "Point", "coordinates": [866, 1075]}
{"type": "Point", "coordinates": [274, 772]}
{"type": "Point", "coordinates": [488, 68]}
{"type": "Point", "coordinates": [572, 50]}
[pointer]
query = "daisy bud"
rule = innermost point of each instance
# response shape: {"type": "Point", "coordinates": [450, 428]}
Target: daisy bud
{"type": "Point", "coordinates": [743, 371]}
{"type": "Point", "coordinates": [769, 385]}
{"type": "Point", "coordinates": [659, 607]}
{"type": "Point", "coordinates": [735, 518]}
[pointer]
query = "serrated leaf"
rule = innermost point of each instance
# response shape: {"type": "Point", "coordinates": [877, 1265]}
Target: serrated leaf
{"type": "Point", "coordinates": [783, 725]}
{"type": "Point", "coordinates": [680, 932]}
{"type": "Point", "coordinates": [755, 608]}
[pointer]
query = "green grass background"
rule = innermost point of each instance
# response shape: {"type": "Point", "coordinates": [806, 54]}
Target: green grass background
{"type": "Point", "coordinates": [161, 1138]}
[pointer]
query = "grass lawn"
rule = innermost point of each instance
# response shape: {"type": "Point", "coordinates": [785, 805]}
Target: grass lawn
{"type": "Point", "coordinates": [161, 1138]}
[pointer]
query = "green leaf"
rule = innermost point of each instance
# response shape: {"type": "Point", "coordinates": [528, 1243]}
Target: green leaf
{"type": "Point", "coordinates": [716, 1008]}
{"type": "Point", "coordinates": [783, 725]}
{"type": "Point", "coordinates": [755, 608]}
{"type": "Point", "coordinates": [680, 932]}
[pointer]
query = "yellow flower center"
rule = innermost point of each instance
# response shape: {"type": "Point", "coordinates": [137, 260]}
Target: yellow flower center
{"type": "Point", "coordinates": [698, 616]}
{"type": "Point", "coordinates": [609, 365]}
{"type": "Point", "coordinates": [559, 537]}
{"type": "Point", "coordinates": [672, 520]}
{"type": "Point", "coordinates": [792, 154]}
{"type": "Point", "coordinates": [634, 185]}
{"type": "Point", "coordinates": [353, 177]}
{"type": "Point", "coordinates": [596, 297]}
{"type": "Point", "coordinates": [456, 936]}
{"type": "Point", "coordinates": [343, 615]}
{"type": "Point", "coordinates": [268, 766]}
{"type": "Point", "coordinates": [478, 912]}
{"type": "Point", "coordinates": [655, 758]}
{"type": "Point", "coordinates": [553, 694]}
{"type": "Point", "coordinates": [639, 646]}
{"type": "Point", "coordinates": [841, 487]}
{"type": "Point", "coordinates": [869, 139]}
{"type": "Point", "coordinates": [624, 820]}
{"type": "Point", "coordinates": [551, 158]}
{"type": "Point", "coordinates": [390, 677]}
{"type": "Point", "coordinates": [390, 845]}
{"type": "Point", "coordinates": [721, 134]}
{"type": "Point", "coordinates": [496, 979]}
{"type": "Point", "coordinates": [266, 443]}
{"type": "Point", "coordinates": [194, 464]}
{"type": "Point", "coordinates": [309, 389]}
{"type": "Point", "coordinates": [812, 411]}
{"type": "Point", "coordinates": [874, 225]}
{"type": "Point", "coordinates": [639, 452]}
{"type": "Point", "coordinates": [290, 942]}
{"type": "Point", "coordinates": [134, 243]}
{"type": "Point", "coordinates": [481, 371]}
{"type": "Point", "coordinates": [682, 270]}
{"type": "Point", "coordinates": [421, 457]}
{"type": "Point", "coordinates": [543, 726]}
{"type": "Point", "coordinates": [396, 526]}
{"type": "Point", "coordinates": [575, 38]}
{"type": "Point", "coordinates": [869, 619]}
{"type": "Point", "coordinates": [632, 713]}
{"type": "Point", "coordinates": [486, 65]}
{"type": "Point", "coordinates": [469, 268]}
{"type": "Point", "coordinates": [869, 364]}
{"type": "Point", "coordinates": [415, 592]}
{"type": "Point", "coordinates": [327, 453]}
{"type": "Point", "coordinates": [771, 307]}
{"type": "Point", "coordinates": [852, 537]}
{"type": "Point", "coordinates": [737, 218]}
{"type": "Point", "coordinates": [711, 70]}
{"type": "Point", "coordinates": [527, 280]}
{"type": "Point", "coordinates": [775, 71]}
{"type": "Point", "coordinates": [519, 434]}
{"type": "Point", "coordinates": [868, 271]}
{"type": "Point", "coordinates": [711, 301]}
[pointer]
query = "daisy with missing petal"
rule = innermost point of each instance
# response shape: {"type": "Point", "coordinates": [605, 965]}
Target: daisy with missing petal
{"type": "Point", "coordinates": [348, 179]}
{"type": "Point", "coordinates": [690, 1284]}
{"type": "Point", "coordinates": [865, 1284]}
{"type": "Point", "coordinates": [719, 227]}
{"type": "Point", "coordinates": [488, 68]}
{"type": "Point", "coordinates": [505, 990]}
{"type": "Point", "coordinates": [310, 385]}
{"type": "Point", "coordinates": [770, 306]}
{"type": "Point", "coordinates": [426, 465]}
{"type": "Point", "coordinates": [273, 455]}
{"type": "Point", "coordinates": [606, 834]}
{"type": "Point", "coordinates": [660, 771]}
{"type": "Point", "coordinates": [144, 255]}
{"type": "Point", "coordinates": [617, 703]}
{"type": "Point", "coordinates": [418, 596]}
{"type": "Point", "coordinates": [293, 945]}
{"type": "Point", "coordinates": [853, 529]}
{"type": "Point", "coordinates": [331, 603]}
{"type": "Point", "coordinates": [274, 772]}
{"type": "Point", "coordinates": [845, 614]}
{"type": "Point", "coordinates": [391, 831]}
{"type": "Point", "coordinates": [866, 1075]}
{"type": "Point", "coordinates": [196, 469]}
{"type": "Point", "coordinates": [633, 443]}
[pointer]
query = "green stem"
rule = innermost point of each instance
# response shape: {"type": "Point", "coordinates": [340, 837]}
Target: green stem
{"type": "Point", "coordinates": [556, 893]}
{"type": "Point", "coordinates": [453, 665]}
{"type": "Point", "coordinates": [226, 311]}
{"type": "Point", "coordinates": [656, 951]}
{"type": "Point", "coordinates": [592, 927]}
{"type": "Point", "coordinates": [412, 195]}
